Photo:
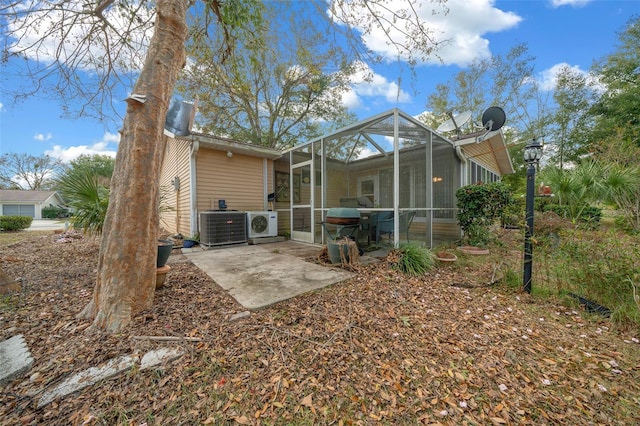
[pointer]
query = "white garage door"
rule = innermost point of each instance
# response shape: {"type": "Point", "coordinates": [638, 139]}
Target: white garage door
{"type": "Point", "coordinates": [19, 210]}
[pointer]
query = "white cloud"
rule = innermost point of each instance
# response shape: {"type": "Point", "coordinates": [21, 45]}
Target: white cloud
{"type": "Point", "coordinates": [460, 31]}
{"type": "Point", "coordinates": [66, 154]}
{"type": "Point", "coordinates": [548, 78]}
{"type": "Point", "coordinates": [1, 107]}
{"type": "Point", "coordinates": [574, 3]}
{"type": "Point", "coordinates": [42, 137]}
{"type": "Point", "coordinates": [366, 83]}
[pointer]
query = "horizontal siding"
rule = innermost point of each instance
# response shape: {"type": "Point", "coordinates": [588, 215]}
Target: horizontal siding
{"type": "Point", "coordinates": [482, 155]}
{"type": "Point", "coordinates": [238, 180]}
{"type": "Point", "coordinates": [175, 205]}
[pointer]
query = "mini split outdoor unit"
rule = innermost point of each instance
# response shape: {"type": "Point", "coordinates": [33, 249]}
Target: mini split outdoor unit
{"type": "Point", "coordinates": [223, 227]}
{"type": "Point", "coordinates": [262, 224]}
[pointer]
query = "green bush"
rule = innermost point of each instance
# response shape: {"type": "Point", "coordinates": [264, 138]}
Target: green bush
{"type": "Point", "coordinates": [15, 223]}
{"type": "Point", "coordinates": [54, 212]}
{"type": "Point", "coordinates": [479, 206]}
{"type": "Point", "coordinates": [414, 260]}
{"type": "Point", "coordinates": [514, 213]}
{"type": "Point", "coordinates": [588, 214]}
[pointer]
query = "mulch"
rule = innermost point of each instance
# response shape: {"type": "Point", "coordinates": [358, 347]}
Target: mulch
{"type": "Point", "coordinates": [382, 348]}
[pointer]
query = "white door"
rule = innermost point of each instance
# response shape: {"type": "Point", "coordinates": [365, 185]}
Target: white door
{"type": "Point", "coordinates": [302, 226]}
{"type": "Point", "coordinates": [368, 187]}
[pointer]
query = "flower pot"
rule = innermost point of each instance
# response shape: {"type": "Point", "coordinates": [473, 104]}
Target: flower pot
{"type": "Point", "coordinates": [473, 250]}
{"type": "Point", "coordinates": [335, 248]}
{"type": "Point", "coordinates": [189, 243]}
{"type": "Point", "coordinates": [445, 256]}
{"type": "Point", "coordinates": [161, 275]}
{"type": "Point", "coordinates": [164, 251]}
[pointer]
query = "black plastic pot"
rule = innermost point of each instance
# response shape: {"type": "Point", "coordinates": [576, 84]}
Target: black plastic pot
{"type": "Point", "coordinates": [164, 251]}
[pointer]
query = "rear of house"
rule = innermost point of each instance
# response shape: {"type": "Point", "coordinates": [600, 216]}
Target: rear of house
{"type": "Point", "coordinates": [201, 173]}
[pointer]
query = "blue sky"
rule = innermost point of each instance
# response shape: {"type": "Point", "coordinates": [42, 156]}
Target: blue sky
{"type": "Point", "coordinates": [557, 32]}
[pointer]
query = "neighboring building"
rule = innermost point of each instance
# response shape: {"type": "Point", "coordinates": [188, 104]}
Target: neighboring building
{"type": "Point", "coordinates": [27, 203]}
{"type": "Point", "coordinates": [392, 160]}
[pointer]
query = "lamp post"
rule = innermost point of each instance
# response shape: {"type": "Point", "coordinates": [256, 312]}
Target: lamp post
{"type": "Point", "coordinates": [532, 154]}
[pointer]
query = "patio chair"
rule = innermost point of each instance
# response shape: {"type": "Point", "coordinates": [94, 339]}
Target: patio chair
{"type": "Point", "coordinates": [369, 226]}
{"type": "Point", "coordinates": [386, 226]}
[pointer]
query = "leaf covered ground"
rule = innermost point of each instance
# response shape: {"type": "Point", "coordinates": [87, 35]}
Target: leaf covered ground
{"type": "Point", "coordinates": [382, 348]}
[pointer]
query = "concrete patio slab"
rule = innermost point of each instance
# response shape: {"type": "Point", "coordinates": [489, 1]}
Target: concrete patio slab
{"type": "Point", "coordinates": [261, 275]}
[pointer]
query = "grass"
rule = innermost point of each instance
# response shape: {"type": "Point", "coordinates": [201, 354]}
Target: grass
{"type": "Point", "coordinates": [600, 265]}
{"type": "Point", "coordinates": [8, 238]}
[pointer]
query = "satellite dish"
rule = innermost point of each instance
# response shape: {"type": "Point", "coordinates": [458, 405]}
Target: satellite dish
{"type": "Point", "coordinates": [180, 117]}
{"type": "Point", "coordinates": [493, 118]}
{"type": "Point", "coordinates": [455, 122]}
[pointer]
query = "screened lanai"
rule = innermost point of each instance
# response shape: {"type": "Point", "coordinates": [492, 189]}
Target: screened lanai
{"type": "Point", "coordinates": [399, 174]}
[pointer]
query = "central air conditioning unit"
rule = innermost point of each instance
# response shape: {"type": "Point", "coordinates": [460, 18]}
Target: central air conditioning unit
{"type": "Point", "coordinates": [223, 227]}
{"type": "Point", "coordinates": [262, 224]}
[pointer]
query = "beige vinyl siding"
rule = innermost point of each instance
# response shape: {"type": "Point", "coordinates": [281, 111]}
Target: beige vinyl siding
{"type": "Point", "coordinates": [482, 155]}
{"type": "Point", "coordinates": [175, 214]}
{"type": "Point", "coordinates": [238, 180]}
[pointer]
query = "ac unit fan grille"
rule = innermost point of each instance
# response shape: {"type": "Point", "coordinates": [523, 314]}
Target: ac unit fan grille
{"type": "Point", "coordinates": [259, 224]}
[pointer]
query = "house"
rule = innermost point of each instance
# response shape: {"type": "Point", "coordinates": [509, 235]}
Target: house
{"type": "Point", "coordinates": [202, 173]}
{"type": "Point", "coordinates": [14, 202]}
{"type": "Point", "coordinates": [389, 163]}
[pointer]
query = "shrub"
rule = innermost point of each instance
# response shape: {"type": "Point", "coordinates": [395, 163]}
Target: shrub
{"type": "Point", "coordinates": [478, 208]}
{"type": "Point", "coordinates": [414, 260]}
{"type": "Point", "coordinates": [514, 213]}
{"type": "Point", "coordinates": [548, 223]}
{"type": "Point", "coordinates": [587, 214]}
{"type": "Point", "coordinates": [15, 223]}
{"type": "Point", "coordinates": [54, 212]}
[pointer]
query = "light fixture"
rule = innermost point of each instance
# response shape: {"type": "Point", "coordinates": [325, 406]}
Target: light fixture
{"type": "Point", "coordinates": [229, 154]}
{"type": "Point", "coordinates": [532, 154]}
{"type": "Point", "coordinates": [437, 179]}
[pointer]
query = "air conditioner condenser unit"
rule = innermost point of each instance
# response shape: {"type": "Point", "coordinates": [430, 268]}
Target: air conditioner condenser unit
{"type": "Point", "coordinates": [262, 224]}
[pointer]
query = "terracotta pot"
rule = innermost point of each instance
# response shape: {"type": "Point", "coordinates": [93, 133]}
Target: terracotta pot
{"type": "Point", "coordinates": [473, 250]}
{"type": "Point", "coordinates": [161, 275]}
{"type": "Point", "coordinates": [445, 256]}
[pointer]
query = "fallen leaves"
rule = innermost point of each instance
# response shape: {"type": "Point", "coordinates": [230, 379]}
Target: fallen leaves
{"type": "Point", "coordinates": [382, 348]}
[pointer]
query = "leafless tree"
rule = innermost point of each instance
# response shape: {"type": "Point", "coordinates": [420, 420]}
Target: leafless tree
{"type": "Point", "coordinates": [25, 171]}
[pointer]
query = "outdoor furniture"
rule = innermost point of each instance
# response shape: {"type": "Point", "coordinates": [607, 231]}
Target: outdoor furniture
{"type": "Point", "coordinates": [386, 226]}
{"type": "Point", "coordinates": [369, 225]}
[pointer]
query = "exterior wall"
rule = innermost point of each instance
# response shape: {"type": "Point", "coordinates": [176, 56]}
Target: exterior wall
{"type": "Point", "coordinates": [478, 154]}
{"type": "Point", "coordinates": [175, 207]}
{"type": "Point", "coordinates": [37, 206]}
{"type": "Point", "coordinates": [239, 180]}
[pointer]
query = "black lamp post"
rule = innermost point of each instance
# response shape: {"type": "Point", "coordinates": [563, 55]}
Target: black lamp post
{"type": "Point", "coordinates": [532, 154]}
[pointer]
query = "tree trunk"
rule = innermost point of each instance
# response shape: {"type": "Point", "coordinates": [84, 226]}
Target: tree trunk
{"type": "Point", "coordinates": [127, 260]}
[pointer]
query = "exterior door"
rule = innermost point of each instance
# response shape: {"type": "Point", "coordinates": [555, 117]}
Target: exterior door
{"type": "Point", "coordinates": [368, 187]}
{"type": "Point", "coordinates": [302, 226]}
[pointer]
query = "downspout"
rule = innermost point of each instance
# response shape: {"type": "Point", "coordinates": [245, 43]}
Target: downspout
{"type": "Point", "coordinates": [265, 183]}
{"type": "Point", "coordinates": [193, 195]}
{"type": "Point", "coordinates": [460, 155]}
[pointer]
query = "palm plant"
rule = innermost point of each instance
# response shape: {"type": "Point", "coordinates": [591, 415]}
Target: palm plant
{"type": "Point", "coordinates": [88, 196]}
